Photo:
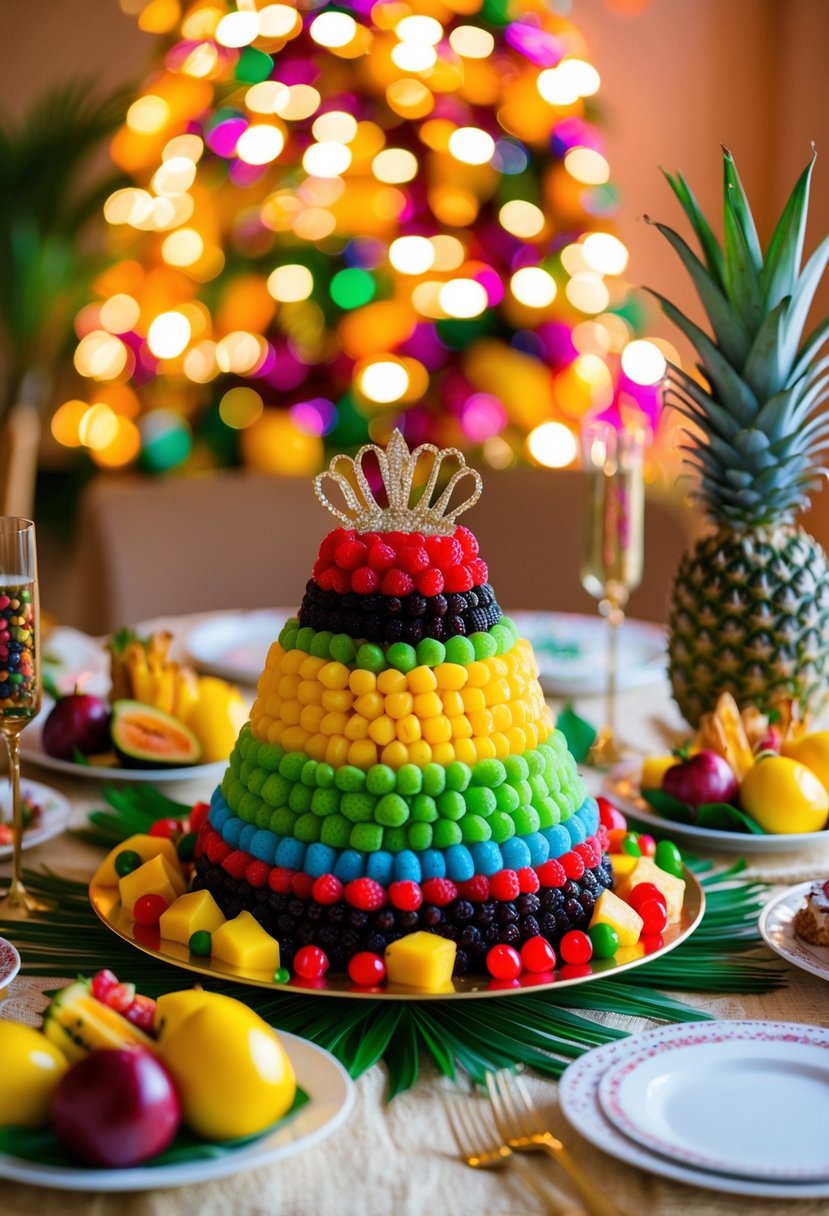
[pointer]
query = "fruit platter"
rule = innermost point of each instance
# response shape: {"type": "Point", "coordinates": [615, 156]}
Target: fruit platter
{"type": "Point", "coordinates": [148, 892]}
{"type": "Point", "coordinates": [747, 782]}
{"type": "Point", "coordinates": [45, 813]}
{"type": "Point", "coordinates": [159, 720]}
{"type": "Point", "coordinates": [112, 1092]}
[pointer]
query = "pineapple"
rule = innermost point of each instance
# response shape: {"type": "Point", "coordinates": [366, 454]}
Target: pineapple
{"type": "Point", "coordinates": [750, 606]}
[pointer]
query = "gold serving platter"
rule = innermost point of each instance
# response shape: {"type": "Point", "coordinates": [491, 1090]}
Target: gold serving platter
{"type": "Point", "coordinates": [106, 903]}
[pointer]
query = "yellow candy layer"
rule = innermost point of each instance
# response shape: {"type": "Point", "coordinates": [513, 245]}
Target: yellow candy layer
{"type": "Point", "coordinates": [484, 710]}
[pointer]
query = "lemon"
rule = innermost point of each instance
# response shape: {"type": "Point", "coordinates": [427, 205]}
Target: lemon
{"type": "Point", "coordinates": [232, 1074]}
{"type": "Point", "coordinates": [216, 718]}
{"type": "Point", "coordinates": [813, 751]}
{"type": "Point", "coordinates": [784, 796]}
{"type": "Point", "coordinates": [32, 1067]}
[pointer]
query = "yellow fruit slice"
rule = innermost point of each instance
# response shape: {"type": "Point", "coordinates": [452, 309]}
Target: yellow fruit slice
{"type": "Point", "coordinates": [784, 796]}
{"type": "Point", "coordinates": [32, 1067]}
{"type": "Point", "coordinates": [146, 847]}
{"type": "Point", "coordinates": [610, 910]}
{"type": "Point", "coordinates": [216, 717]}
{"type": "Point", "coordinates": [654, 769]}
{"type": "Point", "coordinates": [646, 870]}
{"type": "Point", "coordinates": [155, 877]}
{"type": "Point", "coordinates": [190, 913]}
{"type": "Point", "coordinates": [77, 1023]}
{"type": "Point", "coordinates": [420, 960]}
{"type": "Point", "coordinates": [243, 943]}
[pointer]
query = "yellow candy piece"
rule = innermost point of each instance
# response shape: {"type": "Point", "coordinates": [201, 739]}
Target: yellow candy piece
{"type": "Point", "coordinates": [312, 718]}
{"type": "Point", "coordinates": [437, 730]}
{"type": "Point", "coordinates": [478, 673]}
{"type": "Point", "coordinates": [465, 751]}
{"type": "Point", "coordinates": [333, 723]}
{"type": "Point", "coordinates": [451, 675]}
{"type": "Point", "coordinates": [621, 864]}
{"type": "Point", "coordinates": [288, 686]}
{"type": "Point", "coordinates": [292, 662]}
{"type": "Point", "coordinates": [484, 748]}
{"type": "Point", "coordinates": [362, 753]}
{"type": "Point", "coordinates": [420, 753]}
{"type": "Point", "coordinates": [395, 754]}
{"type": "Point", "coordinates": [382, 730]}
{"type": "Point", "coordinates": [473, 700]}
{"type": "Point", "coordinates": [420, 960]}
{"type": "Point", "coordinates": [275, 657]}
{"type": "Point", "coordinates": [334, 675]}
{"type": "Point", "coordinates": [390, 681]}
{"type": "Point", "coordinates": [461, 727]}
{"type": "Point", "coordinates": [316, 746]}
{"type": "Point", "coordinates": [309, 692]}
{"type": "Point", "coordinates": [146, 847]}
{"type": "Point", "coordinates": [191, 913]}
{"type": "Point", "coordinates": [294, 738]}
{"type": "Point", "coordinates": [370, 705]}
{"type": "Point", "coordinates": [399, 704]}
{"type": "Point", "coordinates": [356, 727]}
{"type": "Point", "coordinates": [611, 910]}
{"type": "Point", "coordinates": [452, 702]}
{"type": "Point", "coordinates": [443, 754]}
{"type": "Point", "coordinates": [500, 743]}
{"type": "Point", "coordinates": [361, 682]}
{"type": "Point", "coordinates": [340, 699]}
{"type": "Point", "coordinates": [290, 712]}
{"type": "Point", "coordinates": [155, 877]}
{"type": "Point", "coordinates": [427, 705]}
{"type": "Point", "coordinates": [336, 751]}
{"type": "Point", "coordinates": [243, 943]}
{"type": "Point", "coordinates": [422, 680]}
{"type": "Point", "coordinates": [408, 729]}
{"type": "Point", "coordinates": [311, 667]}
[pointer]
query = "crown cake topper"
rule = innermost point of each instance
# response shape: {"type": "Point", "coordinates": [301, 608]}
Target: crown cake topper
{"type": "Point", "coordinates": [398, 467]}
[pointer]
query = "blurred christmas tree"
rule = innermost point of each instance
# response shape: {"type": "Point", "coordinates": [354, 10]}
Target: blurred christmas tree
{"type": "Point", "coordinates": [354, 216]}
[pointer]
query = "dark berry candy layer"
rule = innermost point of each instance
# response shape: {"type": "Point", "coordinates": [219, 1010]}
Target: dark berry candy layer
{"type": "Point", "coordinates": [343, 931]}
{"type": "Point", "coordinates": [407, 618]}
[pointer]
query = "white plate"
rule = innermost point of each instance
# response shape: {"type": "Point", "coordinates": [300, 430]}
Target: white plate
{"type": "Point", "coordinates": [572, 651]}
{"type": "Point", "coordinates": [55, 812]}
{"type": "Point", "coordinates": [9, 964]}
{"type": "Point", "coordinates": [622, 788]}
{"type": "Point", "coordinates": [708, 1097]}
{"type": "Point", "coordinates": [234, 645]}
{"type": "Point", "coordinates": [31, 750]}
{"type": "Point", "coordinates": [579, 1100]}
{"type": "Point", "coordinates": [331, 1094]}
{"type": "Point", "coordinates": [777, 931]}
{"type": "Point", "coordinates": [73, 659]}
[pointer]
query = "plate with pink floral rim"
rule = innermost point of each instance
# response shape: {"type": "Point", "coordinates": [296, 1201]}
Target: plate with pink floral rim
{"type": "Point", "coordinates": [9, 964]}
{"type": "Point", "coordinates": [705, 1096]}
{"type": "Point", "coordinates": [579, 1101]}
{"type": "Point", "coordinates": [46, 814]}
{"type": "Point", "coordinates": [777, 931]}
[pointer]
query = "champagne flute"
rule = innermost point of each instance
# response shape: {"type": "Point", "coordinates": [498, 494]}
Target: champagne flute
{"type": "Point", "coordinates": [612, 566]}
{"type": "Point", "coordinates": [19, 679]}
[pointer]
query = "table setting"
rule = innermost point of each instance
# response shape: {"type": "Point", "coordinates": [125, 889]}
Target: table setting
{"type": "Point", "coordinates": [379, 896]}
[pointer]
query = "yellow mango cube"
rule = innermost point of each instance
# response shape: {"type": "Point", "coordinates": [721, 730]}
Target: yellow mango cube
{"type": "Point", "coordinates": [611, 910]}
{"type": "Point", "coordinates": [146, 847]}
{"type": "Point", "coordinates": [421, 960]}
{"type": "Point", "coordinates": [244, 944]}
{"type": "Point", "coordinates": [654, 769]}
{"type": "Point", "coordinates": [646, 870]}
{"type": "Point", "coordinates": [154, 877]}
{"type": "Point", "coordinates": [621, 864]}
{"type": "Point", "coordinates": [191, 913]}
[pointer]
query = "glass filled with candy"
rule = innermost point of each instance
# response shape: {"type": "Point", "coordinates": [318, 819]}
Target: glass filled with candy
{"type": "Point", "coordinates": [613, 460]}
{"type": "Point", "coordinates": [19, 679]}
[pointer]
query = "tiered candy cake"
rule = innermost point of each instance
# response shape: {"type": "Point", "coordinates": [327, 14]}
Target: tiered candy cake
{"type": "Point", "coordinates": [400, 769]}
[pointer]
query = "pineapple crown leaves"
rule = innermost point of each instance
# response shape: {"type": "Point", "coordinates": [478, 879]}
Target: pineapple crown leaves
{"type": "Point", "coordinates": [759, 432]}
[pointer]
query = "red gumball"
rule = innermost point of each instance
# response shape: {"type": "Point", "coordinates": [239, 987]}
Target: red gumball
{"type": "Point", "coordinates": [310, 962]}
{"type": "Point", "coordinates": [504, 963]}
{"type": "Point", "coordinates": [366, 969]}
{"type": "Point", "coordinates": [168, 828]}
{"type": "Point", "coordinates": [644, 891]}
{"type": "Point", "coordinates": [654, 916]}
{"type": "Point", "coordinates": [538, 955]}
{"type": "Point", "coordinates": [198, 815]}
{"type": "Point", "coordinates": [576, 947]}
{"type": "Point", "coordinates": [610, 816]}
{"type": "Point", "coordinates": [148, 909]}
{"type": "Point", "coordinates": [647, 844]}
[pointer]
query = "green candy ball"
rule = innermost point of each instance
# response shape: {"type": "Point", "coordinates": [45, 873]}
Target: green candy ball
{"type": "Point", "coordinates": [402, 656]}
{"type": "Point", "coordinates": [201, 943]}
{"type": "Point", "coordinates": [484, 646]}
{"type": "Point", "coordinates": [321, 644]}
{"type": "Point", "coordinates": [126, 861]}
{"type": "Point", "coordinates": [282, 976]}
{"type": "Point", "coordinates": [371, 657]}
{"type": "Point", "coordinates": [380, 779]}
{"type": "Point", "coordinates": [503, 638]}
{"type": "Point", "coordinates": [605, 940]}
{"type": "Point", "coordinates": [409, 780]}
{"type": "Point", "coordinates": [431, 652]}
{"type": "Point", "coordinates": [342, 648]}
{"type": "Point", "coordinates": [460, 650]}
{"type": "Point", "coordinates": [458, 775]}
{"type": "Point", "coordinates": [304, 639]}
{"type": "Point", "coordinates": [669, 858]}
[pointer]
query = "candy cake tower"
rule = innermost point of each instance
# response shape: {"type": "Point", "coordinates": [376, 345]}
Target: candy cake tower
{"type": "Point", "coordinates": [400, 769]}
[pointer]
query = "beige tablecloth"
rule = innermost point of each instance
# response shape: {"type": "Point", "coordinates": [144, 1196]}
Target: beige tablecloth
{"type": "Point", "coordinates": [397, 1159]}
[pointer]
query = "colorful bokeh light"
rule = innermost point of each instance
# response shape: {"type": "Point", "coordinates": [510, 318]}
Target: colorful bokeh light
{"type": "Point", "coordinates": [346, 218]}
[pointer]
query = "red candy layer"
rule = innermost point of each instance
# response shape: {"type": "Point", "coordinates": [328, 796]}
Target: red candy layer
{"type": "Point", "coordinates": [398, 563]}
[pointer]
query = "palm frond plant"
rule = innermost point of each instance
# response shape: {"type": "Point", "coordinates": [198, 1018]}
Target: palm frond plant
{"type": "Point", "coordinates": [52, 189]}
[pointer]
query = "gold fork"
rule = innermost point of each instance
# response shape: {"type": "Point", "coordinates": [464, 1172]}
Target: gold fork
{"type": "Point", "coordinates": [481, 1149]}
{"type": "Point", "coordinates": [522, 1128]}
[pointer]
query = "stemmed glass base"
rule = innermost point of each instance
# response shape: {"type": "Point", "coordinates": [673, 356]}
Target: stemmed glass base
{"type": "Point", "coordinates": [18, 903]}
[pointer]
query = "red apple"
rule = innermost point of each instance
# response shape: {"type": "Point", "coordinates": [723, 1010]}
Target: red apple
{"type": "Point", "coordinates": [705, 777]}
{"type": "Point", "coordinates": [116, 1108]}
{"type": "Point", "coordinates": [80, 721]}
